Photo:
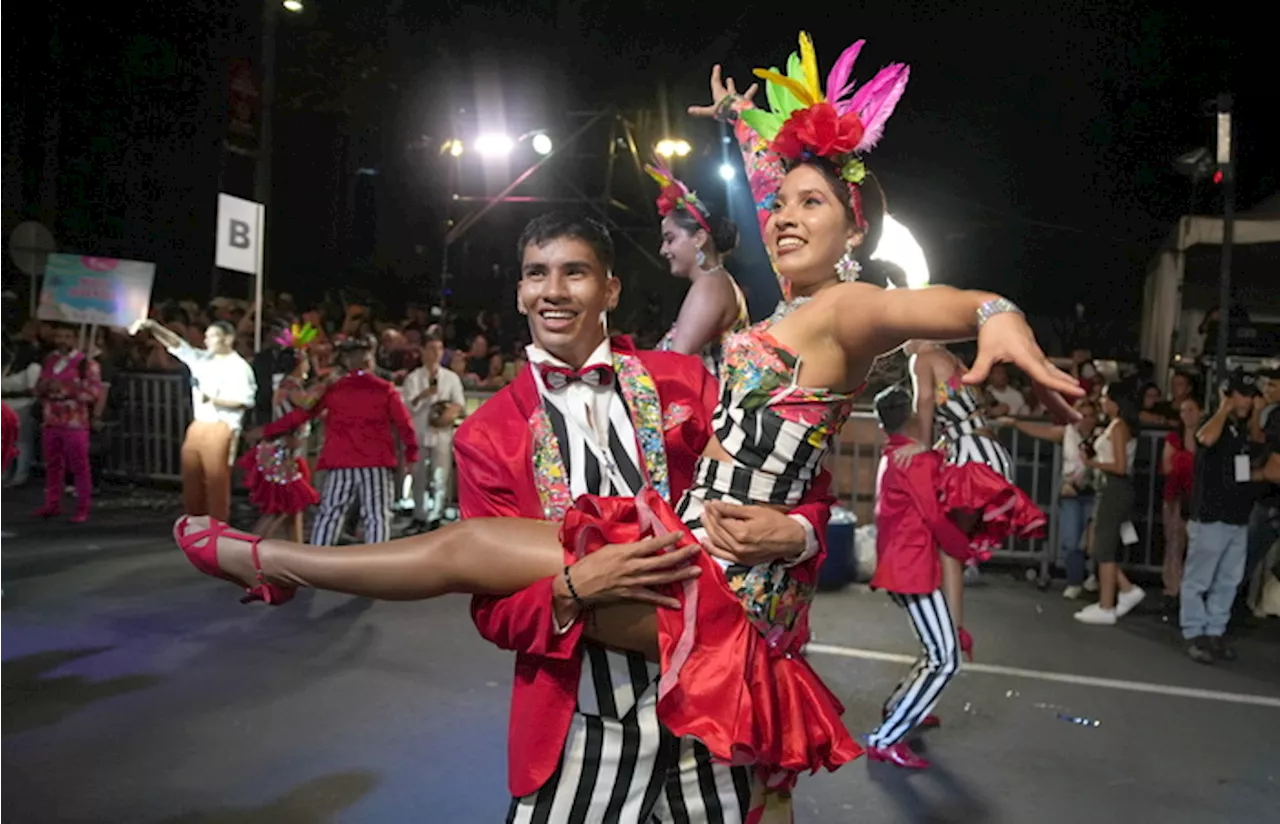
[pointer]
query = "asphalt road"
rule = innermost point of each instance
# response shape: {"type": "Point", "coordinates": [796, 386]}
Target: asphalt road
{"type": "Point", "coordinates": [136, 690]}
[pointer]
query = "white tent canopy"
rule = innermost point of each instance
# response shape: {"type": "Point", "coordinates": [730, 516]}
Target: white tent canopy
{"type": "Point", "coordinates": [1165, 297]}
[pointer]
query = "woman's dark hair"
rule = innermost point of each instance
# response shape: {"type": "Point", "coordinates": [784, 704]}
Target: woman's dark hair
{"type": "Point", "coordinates": [1146, 387]}
{"type": "Point", "coordinates": [1126, 395]}
{"type": "Point", "coordinates": [724, 232]}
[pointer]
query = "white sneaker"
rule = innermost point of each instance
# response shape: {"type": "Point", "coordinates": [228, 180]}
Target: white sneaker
{"type": "Point", "coordinates": [1072, 592]}
{"type": "Point", "coordinates": [1091, 584]}
{"type": "Point", "coordinates": [1126, 601]}
{"type": "Point", "coordinates": [1095, 614]}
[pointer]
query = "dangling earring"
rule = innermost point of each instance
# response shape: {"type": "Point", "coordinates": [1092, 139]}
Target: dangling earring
{"type": "Point", "coordinates": [702, 258]}
{"type": "Point", "coordinates": [847, 268]}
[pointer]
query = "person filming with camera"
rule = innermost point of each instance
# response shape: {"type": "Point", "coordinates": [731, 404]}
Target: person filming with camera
{"type": "Point", "coordinates": [435, 399]}
{"type": "Point", "coordinates": [1222, 498]}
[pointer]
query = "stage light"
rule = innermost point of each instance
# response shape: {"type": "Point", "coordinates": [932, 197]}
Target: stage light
{"type": "Point", "coordinates": [726, 172]}
{"type": "Point", "coordinates": [899, 247]}
{"type": "Point", "coordinates": [453, 147]}
{"type": "Point", "coordinates": [673, 148]}
{"type": "Point", "coordinates": [542, 143]}
{"type": "Point", "coordinates": [494, 145]}
{"type": "Point", "coordinates": [292, 5]}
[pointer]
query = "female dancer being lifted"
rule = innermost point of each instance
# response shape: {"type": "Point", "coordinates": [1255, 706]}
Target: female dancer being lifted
{"type": "Point", "coordinates": [786, 388]}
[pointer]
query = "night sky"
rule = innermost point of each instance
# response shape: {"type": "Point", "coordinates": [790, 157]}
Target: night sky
{"type": "Point", "coordinates": [1031, 154]}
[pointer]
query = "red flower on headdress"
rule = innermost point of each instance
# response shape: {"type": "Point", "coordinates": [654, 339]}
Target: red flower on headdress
{"type": "Point", "coordinates": [669, 199]}
{"type": "Point", "coordinates": [819, 130]}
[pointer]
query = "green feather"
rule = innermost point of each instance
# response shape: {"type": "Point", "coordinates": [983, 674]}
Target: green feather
{"type": "Point", "coordinates": [765, 124]}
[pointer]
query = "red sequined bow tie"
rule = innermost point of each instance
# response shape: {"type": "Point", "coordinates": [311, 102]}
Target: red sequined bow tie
{"type": "Point", "coordinates": [558, 377]}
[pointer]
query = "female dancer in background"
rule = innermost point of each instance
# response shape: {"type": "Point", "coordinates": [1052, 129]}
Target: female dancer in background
{"type": "Point", "coordinates": [275, 471]}
{"type": "Point", "coordinates": [950, 412]}
{"type": "Point", "coordinates": [791, 376]}
{"type": "Point", "coordinates": [696, 244]}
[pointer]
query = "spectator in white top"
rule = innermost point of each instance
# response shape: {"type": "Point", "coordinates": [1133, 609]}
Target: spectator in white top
{"type": "Point", "coordinates": [1002, 399]}
{"type": "Point", "coordinates": [435, 399]}
{"type": "Point", "coordinates": [222, 390]}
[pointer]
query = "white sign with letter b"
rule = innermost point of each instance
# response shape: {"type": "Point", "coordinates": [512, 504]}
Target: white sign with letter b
{"type": "Point", "coordinates": [239, 241]}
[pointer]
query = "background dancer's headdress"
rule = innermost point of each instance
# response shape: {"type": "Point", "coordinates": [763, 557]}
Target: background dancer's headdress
{"type": "Point", "coordinates": [839, 126]}
{"type": "Point", "coordinates": [298, 336]}
{"type": "Point", "coordinates": [676, 195]}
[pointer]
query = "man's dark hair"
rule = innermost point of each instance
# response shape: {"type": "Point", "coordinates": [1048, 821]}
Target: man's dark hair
{"type": "Point", "coordinates": [554, 225]}
{"type": "Point", "coordinates": [432, 335]}
{"type": "Point", "coordinates": [224, 327]}
{"type": "Point", "coordinates": [893, 408]}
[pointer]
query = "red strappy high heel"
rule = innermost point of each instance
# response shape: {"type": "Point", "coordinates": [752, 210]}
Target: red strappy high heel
{"type": "Point", "coordinates": [204, 557]}
{"type": "Point", "coordinates": [966, 641]}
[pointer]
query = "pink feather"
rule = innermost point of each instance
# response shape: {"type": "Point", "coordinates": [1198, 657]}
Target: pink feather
{"type": "Point", "coordinates": [877, 106]}
{"type": "Point", "coordinates": [838, 78]}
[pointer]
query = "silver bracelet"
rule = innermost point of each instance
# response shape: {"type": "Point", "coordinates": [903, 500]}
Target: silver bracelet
{"type": "Point", "coordinates": [993, 307]}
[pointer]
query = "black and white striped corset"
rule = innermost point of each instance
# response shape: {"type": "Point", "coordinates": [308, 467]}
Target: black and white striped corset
{"type": "Point", "coordinates": [956, 410]}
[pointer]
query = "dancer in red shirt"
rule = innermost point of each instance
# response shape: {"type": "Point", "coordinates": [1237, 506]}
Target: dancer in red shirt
{"type": "Point", "coordinates": [912, 522]}
{"type": "Point", "coordinates": [363, 416]}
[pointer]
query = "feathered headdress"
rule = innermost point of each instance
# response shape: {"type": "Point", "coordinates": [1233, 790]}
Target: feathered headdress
{"type": "Point", "coordinates": [676, 195]}
{"type": "Point", "coordinates": [298, 336]}
{"type": "Point", "coordinates": [838, 126]}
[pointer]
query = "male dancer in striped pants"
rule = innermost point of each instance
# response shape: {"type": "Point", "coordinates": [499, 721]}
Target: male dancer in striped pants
{"type": "Point", "coordinates": [590, 414]}
{"type": "Point", "coordinates": [364, 414]}
{"type": "Point", "coordinates": [910, 526]}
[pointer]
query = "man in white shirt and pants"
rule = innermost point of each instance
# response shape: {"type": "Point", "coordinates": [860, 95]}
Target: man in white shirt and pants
{"type": "Point", "coordinates": [222, 390]}
{"type": "Point", "coordinates": [435, 399]}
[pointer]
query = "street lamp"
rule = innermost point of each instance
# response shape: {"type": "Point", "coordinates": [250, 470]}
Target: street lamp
{"type": "Point", "coordinates": [669, 148]}
{"type": "Point", "coordinates": [294, 6]}
{"type": "Point", "coordinates": [453, 147]}
{"type": "Point", "coordinates": [494, 145]}
{"type": "Point", "coordinates": [899, 247]}
{"type": "Point", "coordinates": [542, 143]}
{"type": "Point", "coordinates": [726, 172]}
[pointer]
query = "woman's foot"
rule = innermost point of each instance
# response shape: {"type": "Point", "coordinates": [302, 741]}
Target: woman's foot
{"type": "Point", "coordinates": [899, 754]}
{"type": "Point", "coordinates": [1126, 601]}
{"type": "Point", "coordinates": [217, 550]}
{"type": "Point", "coordinates": [1096, 614]}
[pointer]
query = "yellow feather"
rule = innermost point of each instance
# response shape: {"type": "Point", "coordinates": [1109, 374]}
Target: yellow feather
{"type": "Point", "coordinates": [802, 94]}
{"type": "Point", "coordinates": [809, 62]}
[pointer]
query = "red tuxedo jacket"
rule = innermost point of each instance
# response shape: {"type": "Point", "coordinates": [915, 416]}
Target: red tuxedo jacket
{"type": "Point", "coordinates": [494, 453]}
{"type": "Point", "coordinates": [911, 524]}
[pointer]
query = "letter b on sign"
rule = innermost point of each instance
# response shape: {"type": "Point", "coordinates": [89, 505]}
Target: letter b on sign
{"type": "Point", "coordinates": [239, 236]}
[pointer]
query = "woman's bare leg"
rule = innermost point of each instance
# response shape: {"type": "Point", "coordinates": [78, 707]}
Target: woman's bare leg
{"type": "Point", "coordinates": [478, 556]}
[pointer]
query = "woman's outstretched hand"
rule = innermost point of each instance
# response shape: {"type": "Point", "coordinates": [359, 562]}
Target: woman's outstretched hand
{"type": "Point", "coordinates": [1007, 338]}
{"type": "Point", "coordinates": [719, 90]}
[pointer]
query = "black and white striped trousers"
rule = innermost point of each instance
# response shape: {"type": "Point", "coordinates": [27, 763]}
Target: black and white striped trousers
{"type": "Point", "coordinates": [620, 766]}
{"type": "Point", "coordinates": [917, 694]}
{"type": "Point", "coordinates": [373, 486]}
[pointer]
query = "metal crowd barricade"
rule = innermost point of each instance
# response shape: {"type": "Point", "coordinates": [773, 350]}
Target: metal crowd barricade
{"type": "Point", "coordinates": [150, 413]}
{"type": "Point", "coordinates": [1037, 470]}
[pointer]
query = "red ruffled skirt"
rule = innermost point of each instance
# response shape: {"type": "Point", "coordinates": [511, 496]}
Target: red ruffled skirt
{"type": "Point", "coordinates": [279, 482]}
{"type": "Point", "coordinates": [722, 682]}
{"type": "Point", "coordinates": [9, 426]}
{"type": "Point", "coordinates": [1000, 509]}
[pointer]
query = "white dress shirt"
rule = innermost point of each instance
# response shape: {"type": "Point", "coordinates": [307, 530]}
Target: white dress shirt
{"type": "Point", "coordinates": [448, 388]}
{"type": "Point", "coordinates": [227, 378]}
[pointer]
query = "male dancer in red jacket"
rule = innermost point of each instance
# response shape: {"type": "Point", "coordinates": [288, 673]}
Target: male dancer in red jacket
{"type": "Point", "coordinates": [363, 416]}
{"type": "Point", "coordinates": [910, 527]}
{"type": "Point", "coordinates": [590, 414]}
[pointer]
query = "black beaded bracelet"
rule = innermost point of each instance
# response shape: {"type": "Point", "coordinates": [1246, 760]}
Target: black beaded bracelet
{"type": "Point", "coordinates": [573, 593]}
